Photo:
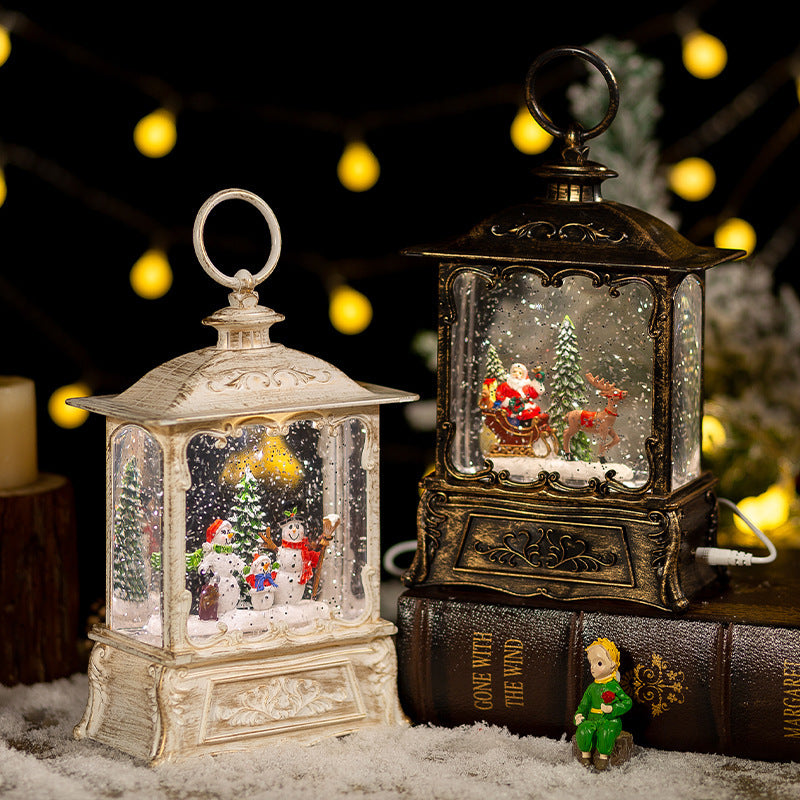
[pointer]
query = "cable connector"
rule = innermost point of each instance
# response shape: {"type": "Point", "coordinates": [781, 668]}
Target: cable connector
{"type": "Point", "coordinates": [723, 557]}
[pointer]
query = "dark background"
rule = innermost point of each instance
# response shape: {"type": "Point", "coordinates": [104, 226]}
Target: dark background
{"type": "Point", "coordinates": [266, 96]}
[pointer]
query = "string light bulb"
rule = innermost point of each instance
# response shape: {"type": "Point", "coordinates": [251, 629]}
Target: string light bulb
{"type": "Point", "coordinates": [3, 187]}
{"type": "Point", "coordinates": [151, 275]}
{"type": "Point", "coordinates": [155, 134]}
{"type": "Point", "coordinates": [704, 56]}
{"type": "Point", "coordinates": [736, 234]}
{"type": "Point", "coordinates": [714, 436]}
{"type": "Point", "coordinates": [68, 416]}
{"type": "Point", "coordinates": [527, 135]}
{"type": "Point", "coordinates": [358, 168]}
{"type": "Point", "coordinates": [766, 511]}
{"type": "Point", "coordinates": [5, 45]}
{"type": "Point", "coordinates": [350, 311]}
{"type": "Point", "coordinates": [692, 179]}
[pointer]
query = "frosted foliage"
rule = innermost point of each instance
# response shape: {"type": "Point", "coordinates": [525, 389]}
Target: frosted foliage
{"type": "Point", "coordinates": [519, 320]}
{"type": "Point", "coordinates": [244, 490]}
{"type": "Point", "coordinates": [687, 377]}
{"type": "Point", "coordinates": [136, 529]}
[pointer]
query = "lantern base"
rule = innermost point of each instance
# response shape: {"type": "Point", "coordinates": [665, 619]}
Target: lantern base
{"type": "Point", "coordinates": [586, 548]}
{"type": "Point", "coordinates": [149, 706]}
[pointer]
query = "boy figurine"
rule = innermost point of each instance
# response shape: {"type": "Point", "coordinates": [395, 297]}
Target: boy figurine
{"type": "Point", "coordinates": [603, 703]}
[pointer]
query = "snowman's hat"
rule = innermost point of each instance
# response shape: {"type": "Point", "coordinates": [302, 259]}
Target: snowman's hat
{"type": "Point", "coordinates": [290, 516]}
{"type": "Point", "coordinates": [214, 528]}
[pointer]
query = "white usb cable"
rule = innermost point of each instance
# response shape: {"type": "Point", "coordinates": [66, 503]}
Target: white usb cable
{"type": "Point", "coordinates": [722, 556]}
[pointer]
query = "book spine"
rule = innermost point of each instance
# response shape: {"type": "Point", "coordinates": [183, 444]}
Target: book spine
{"type": "Point", "coordinates": [697, 685]}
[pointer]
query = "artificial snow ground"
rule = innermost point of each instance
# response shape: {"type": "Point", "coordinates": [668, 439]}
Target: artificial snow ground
{"type": "Point", "coordinates": [40, 759]}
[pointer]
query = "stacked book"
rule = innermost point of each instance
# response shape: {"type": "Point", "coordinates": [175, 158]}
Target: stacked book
{"type": "Point", "coordinates": [723, 677]}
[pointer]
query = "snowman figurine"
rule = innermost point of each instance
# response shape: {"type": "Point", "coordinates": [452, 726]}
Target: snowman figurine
{"type": "Point", "coordinates": [220, 564]}
{"type": "Point", "coordinates": [262, 581]}
{"type": "Point", "coordinates": [297, 556]}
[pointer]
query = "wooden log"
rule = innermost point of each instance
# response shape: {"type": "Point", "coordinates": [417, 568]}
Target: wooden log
{"type": "Point", "coordinates": [39, 586]}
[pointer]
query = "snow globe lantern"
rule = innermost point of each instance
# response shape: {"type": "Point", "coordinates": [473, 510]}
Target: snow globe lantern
{"type": "Point", "coordinates": [569, 395]}
{"type": "Point", "coordinates": [242, 579]}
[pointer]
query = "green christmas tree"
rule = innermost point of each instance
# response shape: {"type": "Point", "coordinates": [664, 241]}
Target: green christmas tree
{"type": "Point", "coordinates": [567, 388]}
{"type": "Point", "coordinates": [247, 517]}
{"type": "Point", "coordinates": [494, 366]}
{"type": "Point", "coordinates": [130, 570]}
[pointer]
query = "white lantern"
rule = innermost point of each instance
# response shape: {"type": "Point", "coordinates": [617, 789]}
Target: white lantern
{"type": "Point", "coordinates": [242, 544]}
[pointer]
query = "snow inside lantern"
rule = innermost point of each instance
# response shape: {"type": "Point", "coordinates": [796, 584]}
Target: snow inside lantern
{"type": "Point", "coordinates": [243, 588]}
{"type": "Point", "coordinates": [569, 397]}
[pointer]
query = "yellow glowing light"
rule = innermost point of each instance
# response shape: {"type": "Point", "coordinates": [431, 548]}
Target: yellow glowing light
{"type": "Point", "coordinates": [528, 135]}
{"type": "Point", "coordinates": [766, 511]}
{"type": "Point", "coordinates": [350, 311]}
{"type": "Point", "coordinates": [358, 169]}
{"type": "Point", "coordinates": [155, 134]}
{"type": "Point", "coordinates": [714, 435]}
{"type": "Point", "coordinates": [67, 416]}
{"type": "Point", "coordinates": [692, 179]}
{"type": "Point", "coordinates": [151, 275]}
{"type": "Point", "coordinates": [736, 234]}
{"type": "Point", "coordinates": [271, 460]}
{"type": "Point", "coordinates": [704, 56]}
{"type": "Point", "coordinates": [3, 187]}
{"type": "Point", "coordinates": [5, 45]}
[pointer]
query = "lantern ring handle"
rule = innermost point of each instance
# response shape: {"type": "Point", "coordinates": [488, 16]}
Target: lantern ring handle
{"type": "Point", "coordinates": [574, 131]}
{"type": "Point", "coordinates": [243, 279]}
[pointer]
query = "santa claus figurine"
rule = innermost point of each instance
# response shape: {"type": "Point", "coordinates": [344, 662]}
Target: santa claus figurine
{"type": "Point", "coordinates": [518, 393]}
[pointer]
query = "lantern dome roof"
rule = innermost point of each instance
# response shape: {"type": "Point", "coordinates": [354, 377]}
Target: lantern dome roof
{"type": "Point", "coordinates": [245, 374]}
{"type": "Point", "coordinates": [573, 226]}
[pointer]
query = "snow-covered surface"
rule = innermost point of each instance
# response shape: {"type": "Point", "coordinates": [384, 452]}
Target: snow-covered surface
{"type": "Point", "coordinates": [39, 758]}
{"type": "Point", "coordinates": [528, 469]}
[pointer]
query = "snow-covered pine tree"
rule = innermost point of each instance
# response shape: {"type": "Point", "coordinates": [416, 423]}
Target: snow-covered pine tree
{"type": "Point", "coordinates": [247, 517]}
{"type": "Point", "coordinates": [129, 561]}
{"type": "Point", "coordinates": [567, 388]}
{"type": "Point", "coordinates": [494, 366]}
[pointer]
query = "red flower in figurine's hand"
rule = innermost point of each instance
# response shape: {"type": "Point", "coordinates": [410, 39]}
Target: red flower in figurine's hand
{"type": "Point", "coordinates": [608, 696]}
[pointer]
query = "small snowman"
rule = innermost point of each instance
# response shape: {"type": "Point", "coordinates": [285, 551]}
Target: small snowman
{"type": "Point", "coordinates": [220, 564]}
{"type": "Point", "coordinates": [262, 581]}
{"type": "Point", "coordinates": [297, 556]}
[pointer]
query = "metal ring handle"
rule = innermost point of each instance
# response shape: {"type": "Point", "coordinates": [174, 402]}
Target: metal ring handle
{"type": "Point", "coordinates": [545, 121]}
{"type": "Point", "coordinates": [242, 279]}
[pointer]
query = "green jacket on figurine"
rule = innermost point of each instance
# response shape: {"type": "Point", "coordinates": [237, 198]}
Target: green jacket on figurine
{"type": "Point", "coordinates": [604, 702]}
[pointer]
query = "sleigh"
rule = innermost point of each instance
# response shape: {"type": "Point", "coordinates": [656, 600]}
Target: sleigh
{"type": "Point", "coordinates": [532, 438]}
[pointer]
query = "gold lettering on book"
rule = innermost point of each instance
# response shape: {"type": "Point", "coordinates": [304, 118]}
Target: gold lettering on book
{"type": "Point", "coordinates": [513, 690]}
{"type": "Point", "coordinates": [482, 695]}
{"type": "Point", "coordinates": [791, 699]}
{"type": "Point", "coordinates": [656, 685]}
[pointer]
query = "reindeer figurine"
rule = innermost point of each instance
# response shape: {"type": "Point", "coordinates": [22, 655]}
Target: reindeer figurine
{"type": "Point", "coordinates": [602, 421]}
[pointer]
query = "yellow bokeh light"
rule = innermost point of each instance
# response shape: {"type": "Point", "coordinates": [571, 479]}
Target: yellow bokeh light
{"type": "Point", "coordinates": [736, 234]}
{"type": "Point", "coordinates": [692, 179]}
{"type": "Point", "coordinates": [68, 416]}
{"type": "Point", "coordinates": [704, 56]}
{"type": "Point", "coordinates": [714, 436]}
{"type": "Point", "coordinates": [358, 169]}
{"type": "Point", "coordinates": [3, 187]}
{"type": "Point", "coordinates": [5, 45]}
{"type": "Point", "coordinates": [766, 511]}
{"type": "Point", "coordinates": [272, 460]}
{"type": "Point", "coordinates": [527, 135]}
{"type": "Point", "coordinates": [350, 311]}
{"type": "Point", "coordinates": [151, 275]}
{"type": "Point", "coordinates": [155, 135]}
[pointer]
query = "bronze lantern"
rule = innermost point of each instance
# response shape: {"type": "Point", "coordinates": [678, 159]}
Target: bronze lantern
{"type": "Point", "coordinates": [569, 395]}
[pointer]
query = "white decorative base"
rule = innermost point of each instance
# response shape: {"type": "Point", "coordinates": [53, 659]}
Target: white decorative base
{"type": "Point", "coordinates": [165, 712]}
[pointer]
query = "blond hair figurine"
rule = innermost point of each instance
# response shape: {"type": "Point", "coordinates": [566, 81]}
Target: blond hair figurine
{"type": "Point", "coordinates": [603, 703]}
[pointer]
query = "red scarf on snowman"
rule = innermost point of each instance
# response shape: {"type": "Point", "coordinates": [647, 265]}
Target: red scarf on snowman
{"type": "Point", "coordinates": [310, 557]}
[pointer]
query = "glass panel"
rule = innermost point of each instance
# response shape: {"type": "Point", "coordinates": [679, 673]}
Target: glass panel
{"type": "Point", "coordinates": [521, 394]}
{"type": "Point", "coordinates": [138, 503]}
{"type": "Point", "coordinates": [276, 526]}
{"type": "Point", "coordinates": [687, 387]}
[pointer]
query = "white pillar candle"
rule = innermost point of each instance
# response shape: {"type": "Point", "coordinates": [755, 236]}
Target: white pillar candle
{"type": "Point", "coordinates": [18, 464]}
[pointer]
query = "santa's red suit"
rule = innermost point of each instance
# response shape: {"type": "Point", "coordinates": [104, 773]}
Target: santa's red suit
{"type": "Point", "coordinates": [518, 398]}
